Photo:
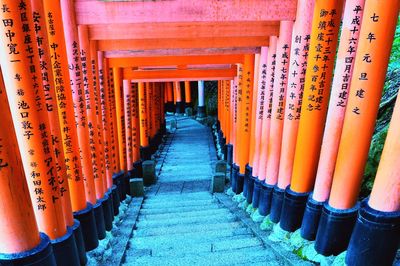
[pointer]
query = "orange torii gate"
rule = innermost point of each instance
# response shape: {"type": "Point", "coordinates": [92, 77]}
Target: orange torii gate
{"type": "Point", "coordinates": [114, 68]}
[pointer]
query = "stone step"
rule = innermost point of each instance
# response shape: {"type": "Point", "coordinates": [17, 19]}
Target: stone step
{"type": "Point", "coordinates": [182, 215]}
{"type": "Point", "coordinates": [180, 197]}
{"type": "Point", "coordinates": [176, 209]}
{"type": "Point", "coordinates": [154, 242]}
{"type": "Point", "coordinates": [245, 256]}
{"type": "Point", "coordinates": [179, 229]}
{"type": "Point", "coordinates": [167, 204]}
{"type": "Point", "coordinates": [186, 220]}
{"type": "Point", "coordinates": [183, 249]}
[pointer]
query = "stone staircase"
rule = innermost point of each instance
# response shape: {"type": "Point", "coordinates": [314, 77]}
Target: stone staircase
{"type": "Point", "coordinates": [181, 222]}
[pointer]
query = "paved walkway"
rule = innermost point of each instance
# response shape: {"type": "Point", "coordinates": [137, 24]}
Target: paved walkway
{"type": "Point", "coordinates": [181, 222]}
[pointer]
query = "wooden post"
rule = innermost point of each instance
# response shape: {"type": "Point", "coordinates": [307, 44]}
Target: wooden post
{"type": "Point", "coordinates": [294, 95]}
{"type": "Point", "coordinates": [76, 82]}
{"type": "Point", "coordinates": [324, 35]}
{"type": "Point", "coordinates": [18, 228]}
{"type": "Point", "coordinates": [337, 106]}
{"type": "Point", "coordinates": [266, 121]}
{"type": "Point", "coordinates": [376, 38]}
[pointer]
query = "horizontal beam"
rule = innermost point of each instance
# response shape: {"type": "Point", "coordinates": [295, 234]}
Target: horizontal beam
{"type": "Point", "coordinates": [215, 42]}
{"type": "Point", "coordinates": [176, 60]}
{"type": "Point", "coordinates": [108, 12]}
{"type": "Point", "coordinates": [182, 79]}
{"type": "Point", "coordinates": [183, 74]}
{"type": "Point", "coordinates": [158, 30]}
{"type": "Point", "coordinates": [184, 51]}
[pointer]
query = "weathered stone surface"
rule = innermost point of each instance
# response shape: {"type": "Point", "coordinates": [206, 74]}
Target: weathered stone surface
{"type": "Point", "coordinates": [137, 187]}
{"type": "Point", "coordinates": [218, 183]}
{"type": "Point", "coordinates": [220, 167]}
{"type": "Point", "coordinates": [149, 172]}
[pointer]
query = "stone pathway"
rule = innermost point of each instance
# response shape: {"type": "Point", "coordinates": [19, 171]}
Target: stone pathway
{"type": "Point", "coordinates": [181, 222]}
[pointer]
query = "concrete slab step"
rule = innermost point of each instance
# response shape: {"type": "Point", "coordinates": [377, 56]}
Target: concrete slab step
{"type": "Point", "coordinates": [184, 249]}
{"type": "Point", "coordinates": [167, 204]}
{"type": "Point", "coordinates": [180, 197]}
{"type": "Point", "coordinates": [182, 215]}
{"type": "Point", "coordinates": [245, 256]}
{"type": "Point", "coordinates": [186, 220]}
{"type": "Point", "coordinates": [177, 209]}
{"type": "Point", "coordinates": [179, 229]}
{"type": "Point", "coordinates": [154, 242]}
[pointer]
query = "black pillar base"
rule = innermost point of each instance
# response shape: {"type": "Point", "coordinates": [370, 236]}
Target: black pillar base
{"type": "Point", "coordinates": [256, 193]}
{"type": "Point", "coordinates": [240, 183]}
{"type": "Point", "coordinates": [234, 173]}
{"type": "Point", "coordinates": [65, 250]}
{"type": "Point", "coordinates": [201, 111]}
{"type": "Point", "coordinates": [88, 225]}
{"type": "Point", "coordinates": [169, 107]}
{"type": "Point", "coordinates": [229, 154]}
{"type": "Point", "coordinates": [180, 108]}
{"type": "Point", "coordinates": [264, 205]}
{"type": "Point", "coordinates": [293, 209]}
{"type": "Point", "coordinates": [116, 200]}
{"type": "Point", "coordinates": [108, 211]}
{"type": "Point", "coordinates": [224, 149]}
{"type": "Point", "coordinates": [138, 169]}
{"type": "Point", "coordinates": [250, 190]}
{"type": "Point", "coordinates": [80, 243]}
{"type": "Point", "coordinates": [276, 204]}
{"type": "Point", "coordinates": [41, 255]}
{"type": "Point", "coordinates": [145, 153]}
{"type": "Point", "coordinates": [312, 215]}
{"type": "Point", "coordinates": [118, 180]}
{"type": "Point", "coordinates": [334, 229]}
{"type": "Point", "coordinates": [99, 217]}
{"type": "Point", "coordinates": [247, 174]}
{"type": "Point", "coordinates": [375, 238]}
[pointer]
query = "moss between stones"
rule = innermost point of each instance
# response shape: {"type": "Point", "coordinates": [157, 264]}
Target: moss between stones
{"type": "Point", "coordinates": [257, 217]}
{"type": "Point", "coordinates": [250, 209]}
{"type": "Point", "coordinates": [239, 198]}
{"type": "Point", "coordinates": [267, 224]}
{"type": "Point", "coordinates": [230, 192]}
{"type": "Point", "coordinates": [243, 205]}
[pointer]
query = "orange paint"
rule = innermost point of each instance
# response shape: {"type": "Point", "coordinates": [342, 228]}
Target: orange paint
{"type": "Point", "coordinates": [316, 93]}
{"type": "Point", "coordinates": [32, 127]}
{"type": "Point", "coordinates": [278, 102]}
{"type": "Point", "coordinates": [353, 13]}
{"type": "Point", "coordinates": [135, 123]}
{"type": "Point", "coordinates": [295, 87]}
{"type": "Point", "coordinates": [65, 105]}
{"type": "Point", "coordinates": [18, 228]}
{"type": "Point", "coordinates": [144, 141]}
{"type": "Point", "coordinates": [259, 99]}
{"type": "Point", "coordinates": [91, 105]}
{"type": "Point", "coordinates": [376, 38]}
{"type": "Point", "coordinates": [385, 192]}
{"type": "Point", "coordinates": [188, 96]}
{"type": "Point", "coordinates": [99, 116]}
{"type": "Point", "coordinates": [105, 118]}
{"type": "Point", "coordinates": [266, 123]}
{"type": "Point", "coordinates": [244, 100]}
{"type": "Point", "coordinates": [226, 109]}
{"type": "Point", "coordinates": [149, 109]}
{"type": "Point", "coordinates": [128, 122]}
{"type": "Point", "coordinates": [120, 117]}
{"type": "Point", "coordinates": [51, 108]}
{"type": "Point", "coordinates": [253, 111]}
{"type": "Point", "coordinates": [235, 119]}
{"type": "Point", "coordinates": [177, 87]}
{"type": "Point", "coordinates": [170, 96]}
{"type": "Point", "coordinates": [78, 93]}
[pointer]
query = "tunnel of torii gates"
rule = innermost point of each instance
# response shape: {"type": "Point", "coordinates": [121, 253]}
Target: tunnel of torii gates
{"type": "Point", "coordinates": [85, 86]}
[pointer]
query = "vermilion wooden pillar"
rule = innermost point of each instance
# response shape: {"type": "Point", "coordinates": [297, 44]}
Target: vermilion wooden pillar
{"type": "Point", "coordinates": [277, 116]}
{"type": "Point", "coordinates": [371, 61]}
{"type": "Point", "coordinates": [76, 82]}
{"type": "Point", "coordinates": [90, 96]}
{"type": "Point", "coordinates": [143, 117]}
{"type": "Point", "coordinates": [21, 68]}
{"type": "Point", "coordinates": [337, 106]}
{"type": "Point", "coordinates": [201, 108]}
{"type": "Point", "coordinates": [248, 184]}
{"type": "Point", "coordinates": [294, 96]}
{"type": "Point", "coordinates": [18, 228]}
{"type": "Point", "coordinates": [266, 121]}
{"type": "Point", "coordinates": [320, 64]}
